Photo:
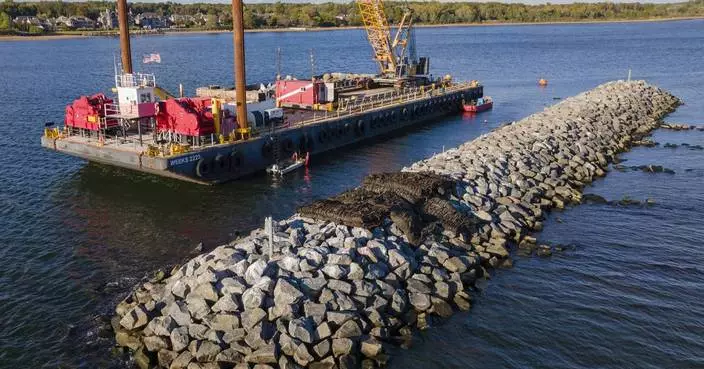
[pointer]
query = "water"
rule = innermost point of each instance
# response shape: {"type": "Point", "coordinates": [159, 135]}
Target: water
{"type": "Point", "coordinates": [627, 293]}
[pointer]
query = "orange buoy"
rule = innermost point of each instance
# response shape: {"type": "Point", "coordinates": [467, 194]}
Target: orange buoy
{"type": "Point", "coordinates": [543, 82]}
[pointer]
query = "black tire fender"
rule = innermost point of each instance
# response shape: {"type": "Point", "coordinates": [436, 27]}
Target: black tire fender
{"type": "Point", "coordinates": [236, 160]}
{"type": "Point", "coordinates": [360, 127]}
{"type": "Point", "coordinates": [220, 163]}
{"type": "Point", "coordinates": [323, 136]}
{"type": "Point", "coordinates": [203, 167]}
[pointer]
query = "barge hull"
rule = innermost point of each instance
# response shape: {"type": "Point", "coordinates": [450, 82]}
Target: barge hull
{"type": "Point", "coordinates": [225, 162]}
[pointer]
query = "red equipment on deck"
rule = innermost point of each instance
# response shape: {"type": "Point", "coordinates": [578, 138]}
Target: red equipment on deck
{"type": "Point", "coordinates": [86, 112]}
{"type": "Point", "coordinates": [303, 94]}
{"type": "Point", "coordinates": [185, 116]}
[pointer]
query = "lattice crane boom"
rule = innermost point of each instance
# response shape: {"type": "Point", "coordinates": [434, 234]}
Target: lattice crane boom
{"type": "Point", "coordinates": [389, 53]}
{"type": "Point", "coordinates": [378, 33]}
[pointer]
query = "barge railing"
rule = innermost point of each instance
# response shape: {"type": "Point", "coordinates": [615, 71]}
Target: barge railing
{"type": "Point", "coordinates": [386, 99]}
{"type": "Point", "coordinates": [371, 102]}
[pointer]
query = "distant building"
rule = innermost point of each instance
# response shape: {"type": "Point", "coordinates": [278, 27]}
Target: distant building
{"type": "Point", "coordinates": [200, 19]}
{"type": "Point", "coordinates": [181, 20]}
{"type": "Point", "coordinates": [151, 21]}
{"type": "Point", "coordinates": [74, 22]}
{"type": "Point", "coordinates": [27, 21]}
{"type": "Point", "coordinates": [108, 19]}
{"type": "Point", "coordinates": [24, 22]}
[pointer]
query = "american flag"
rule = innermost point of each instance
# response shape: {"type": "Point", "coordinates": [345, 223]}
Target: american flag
{"type": "Point", "coordinates": [151, 58]}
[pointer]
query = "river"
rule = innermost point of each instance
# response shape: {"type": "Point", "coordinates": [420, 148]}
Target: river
{"type": "Point", "coordinates": [627, 291]}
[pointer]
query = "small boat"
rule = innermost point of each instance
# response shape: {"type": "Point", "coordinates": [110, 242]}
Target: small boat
{"type": "Point", "coordinates": [542, 82]}
{"type": "Point", "coordinates": [288, 166]}
{"type": "Point", "coordinates": [478, 106]}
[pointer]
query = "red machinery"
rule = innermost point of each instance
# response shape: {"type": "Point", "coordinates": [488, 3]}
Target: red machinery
{"type": "Point", "coordinates": [185, 116]}
{"type": "Point", "coordinates": [303, 94]}
{"type": "Point", "coordinates": [86, 113]}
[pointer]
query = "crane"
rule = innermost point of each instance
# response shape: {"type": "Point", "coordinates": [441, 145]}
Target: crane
{"type": "Point", "coordinates": [396, 56]}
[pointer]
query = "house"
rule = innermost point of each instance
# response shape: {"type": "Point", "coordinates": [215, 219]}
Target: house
{"type": "Point", "coordinates": [24, 22]}
{"type": "Point", "coordinates": [74, 22]}
{"type": "Point", "coordinates": [108, 19]}
{"type": "Point", "coordinates": [27, 21]}
{"type": "Point", "coordinates": [151, 21]}
{"type": "Point", "coordinates": [200, 19]}
{"type": "Point", "coordinates": [181, 20]}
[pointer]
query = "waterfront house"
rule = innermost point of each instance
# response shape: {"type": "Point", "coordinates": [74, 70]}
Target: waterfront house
{"type": "Point", "coordinates": [108, 19]}
{"type": "Point", "coordinates": [151, 21]}
{"type": "Point", "coordinates": [181, 20]}
{"type": "Point", "coordinates": [74, 22]}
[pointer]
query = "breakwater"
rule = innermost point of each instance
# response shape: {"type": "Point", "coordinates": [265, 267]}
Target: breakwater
{"type": "Point", "coordinates": [355, 271]}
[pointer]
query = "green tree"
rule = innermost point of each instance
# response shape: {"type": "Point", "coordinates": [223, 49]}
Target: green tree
{"type": "Point", "coordinates": [211, 22]}
{"type": "Point", "coordinates": [5, 21]}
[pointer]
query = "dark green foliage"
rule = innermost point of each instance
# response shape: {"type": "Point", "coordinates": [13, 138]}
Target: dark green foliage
{"type": "Point", "coordinates": [5, 21]}
{"type": "Point", "coordinates": [280, 15]}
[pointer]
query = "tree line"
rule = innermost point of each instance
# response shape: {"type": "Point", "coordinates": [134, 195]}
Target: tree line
{"type": "Point", "coordinates": [282, 15]}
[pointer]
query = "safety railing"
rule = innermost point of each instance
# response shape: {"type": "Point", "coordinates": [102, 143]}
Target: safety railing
{"type": "Point", "coordinates": [371, 102]}
{"type": "Point", "coordinates": [111, 110]}
{"type": "Point", "coordinates": [135, 80]}
{"type": "Point", "coordinates": [386, 99]}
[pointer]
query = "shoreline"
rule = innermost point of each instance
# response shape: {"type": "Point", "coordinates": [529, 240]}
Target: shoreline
{"type": "Point", "coordinates": [60, 36]}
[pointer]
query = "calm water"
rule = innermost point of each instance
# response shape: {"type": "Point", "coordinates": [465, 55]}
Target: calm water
{"type": "Point", "coordinates": [627, 293]}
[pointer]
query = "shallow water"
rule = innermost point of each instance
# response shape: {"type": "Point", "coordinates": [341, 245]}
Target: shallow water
{"type": "Point", "coordinates": [626, 293]}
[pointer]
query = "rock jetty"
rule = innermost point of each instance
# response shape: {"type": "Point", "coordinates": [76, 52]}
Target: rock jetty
{"type": "Point", "coordinates": [350, 274]}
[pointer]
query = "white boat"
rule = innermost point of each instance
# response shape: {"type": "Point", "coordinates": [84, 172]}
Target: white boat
{"type": "Point", "coordinates": [287, 166]}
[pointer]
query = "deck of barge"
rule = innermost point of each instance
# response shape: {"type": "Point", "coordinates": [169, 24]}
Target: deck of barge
{"type": "Point", "coordinates": [358, 102]}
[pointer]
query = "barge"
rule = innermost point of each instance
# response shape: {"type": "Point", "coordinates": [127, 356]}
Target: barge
{"type": "Point", "coordinates": [220, 136]}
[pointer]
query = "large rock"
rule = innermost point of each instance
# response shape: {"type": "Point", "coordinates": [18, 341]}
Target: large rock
{"type": "Point", "coordinates": [286, 293]}
{"type": "Point", "coordinates": [253, 298]}
{"type": "Point", "coordinates": [178, 311]}
{"type": "Point", "coordinates": [207, 351]}
{"type": "Point", "coordinates": [265, 355]}
{"type": "Point", "coordinates": [181, 361]}
{"type": "Point", "coordinates": [206, 291]}
{"type": "Point", "coordinates": [302, 329]}
{"type": "Point", "coordinates": [371, 348]}
{"type": "Point", "coordinates": [341, 286]}
{"type": "Point", "coordinates": [161, 326]}
{"type": "Point", "coordinates": [302, 356]}
{"type": "Point", "coordinates": [229, 355]}
{"type": "Point", "coordinates": [342, 346]}
{"type": "Point", "coordinates": [257, 270]}
{"type": "Point", "coordinates": [135, 318]}
{"type": "Point", "coordinates": [155, 343]}
{"type": "Point", "coordinates": [348, 329]}
{"type": "Point", "coordinates": [315, 311]}
{"type": "Point", "coordinates": [197, 307]}
{"type": "Point", "coordinates": [224, 322]}
{"type": "Point", "coordinates": [179, 339]}
{"type": "Point", "coordinates": [420, 301]}
{"type": "Point", "coordinates": [252, 317]}
{"type": "Point", "coordinates": [166, 357]}
{"type": "Point", "coordinates": [322, 349]}
{"type": "Point", "coordinates": [228, 304]}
